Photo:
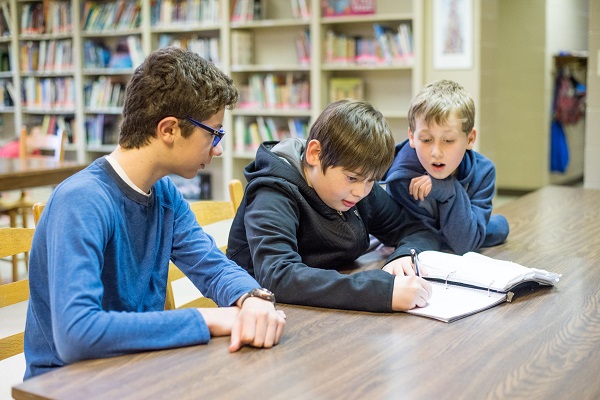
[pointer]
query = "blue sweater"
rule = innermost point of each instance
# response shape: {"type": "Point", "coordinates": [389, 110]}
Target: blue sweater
{"type": "Point", "coordinates": [98, 271]}
{"type": "Point", "coordinates": [458, 208]}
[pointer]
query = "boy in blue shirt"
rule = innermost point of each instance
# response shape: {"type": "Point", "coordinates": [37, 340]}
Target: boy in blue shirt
{"type": "Point", "coordinates": [439, 178]}
{"type": "Point", "coordinates": [309, 208]}
{"type": "Point", "coordinates": [101, 251]}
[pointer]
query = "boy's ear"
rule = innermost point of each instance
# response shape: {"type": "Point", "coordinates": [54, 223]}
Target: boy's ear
{"type": "Point", "coordinates": [411, 138]}
{"type": "Point", "coordinates": [471, 139]}
{"type": "Point", "coordinates": [313, 152]}
{"type": "Point", "coordinates": [167, 128]}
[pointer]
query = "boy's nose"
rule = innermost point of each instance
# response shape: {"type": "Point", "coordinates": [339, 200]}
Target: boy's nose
{"type": "Point", "coordinates": [217, 150]}
{"type": "Point", "coordinates": [360, 191]}
{"type": "Point", "coordinates": [436, 152]}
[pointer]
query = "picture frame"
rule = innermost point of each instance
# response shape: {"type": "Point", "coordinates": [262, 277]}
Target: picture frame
{"type": "Point", "coordinates": [453, 34]}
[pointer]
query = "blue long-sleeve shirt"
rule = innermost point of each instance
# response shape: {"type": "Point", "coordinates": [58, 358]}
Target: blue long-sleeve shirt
{"type": "Point", "coordinates": [459, 207]}
{"type": "Point", "coordinates": [98, 271]}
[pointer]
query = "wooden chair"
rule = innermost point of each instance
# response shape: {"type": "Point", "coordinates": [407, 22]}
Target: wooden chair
{"type": "Point", "coordinates": [28, 145]}
{"type": "Point", "coordinates": [14, 241]}
{"type": "Point", "coordinates": [207, 213]}
{"type": "Point", "coordinates": [37, 212]}
{"type": "Point", "coordinates": [236, 193]}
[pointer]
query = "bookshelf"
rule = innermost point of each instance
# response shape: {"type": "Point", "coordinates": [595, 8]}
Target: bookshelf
{"type": "Point", "coordinates": [284, 78]}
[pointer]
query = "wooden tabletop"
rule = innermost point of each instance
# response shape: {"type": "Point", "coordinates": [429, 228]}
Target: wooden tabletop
{"type": "Point", "coordinates": [17, 173]}
{"type": "Point", "coordinates": [545, 344]}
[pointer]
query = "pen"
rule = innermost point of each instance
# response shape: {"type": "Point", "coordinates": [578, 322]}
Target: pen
{"type": "Point", "coordinates": [414, 261]}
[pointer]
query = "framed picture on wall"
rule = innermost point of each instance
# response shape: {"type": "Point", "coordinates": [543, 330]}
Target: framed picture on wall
{"type": "Point", "coordinates": [453, 34]}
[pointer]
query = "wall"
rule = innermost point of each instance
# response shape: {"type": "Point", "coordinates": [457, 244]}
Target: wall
{"type": "Point", "coordinates": [467, 78]}
{"type": "Point", "coordinates": [592, 148]}
{"type": "Point", "coordinates": [511, 80]}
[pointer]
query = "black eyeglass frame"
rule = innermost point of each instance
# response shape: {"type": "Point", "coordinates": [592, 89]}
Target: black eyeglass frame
{"type": "Point", "coordinates": [216, 133]}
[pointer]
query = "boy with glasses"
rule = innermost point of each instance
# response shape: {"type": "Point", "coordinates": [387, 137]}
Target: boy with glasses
{"type": "Point", "coordinates": [309, 208]}
{"type": "Point", "coordinates": [101, 252]}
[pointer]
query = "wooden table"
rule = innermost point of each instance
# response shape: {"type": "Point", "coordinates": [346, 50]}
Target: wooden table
{"type": "Point", "coordinates": [543, 345]}
{"type": "Point", "coordinates": [16, 173]}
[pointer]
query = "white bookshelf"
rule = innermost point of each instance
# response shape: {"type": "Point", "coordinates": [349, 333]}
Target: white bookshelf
{"type": "Point", "coordinates": [388, 87]}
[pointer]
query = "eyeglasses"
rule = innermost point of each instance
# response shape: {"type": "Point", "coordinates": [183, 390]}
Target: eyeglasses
{"type": "Point", "coordinates": [216, 133]}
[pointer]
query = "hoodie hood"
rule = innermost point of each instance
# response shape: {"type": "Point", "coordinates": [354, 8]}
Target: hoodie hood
{"type": "Point", "coordinates": [283, 161]}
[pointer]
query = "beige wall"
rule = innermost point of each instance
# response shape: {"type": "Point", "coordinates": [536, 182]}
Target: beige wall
{"type": "Point", "coordinates": [512, 78]}
{"type": "Point", "coordinates": [592, 148]}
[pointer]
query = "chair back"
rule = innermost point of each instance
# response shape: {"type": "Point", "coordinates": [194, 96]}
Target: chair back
{"type": "Point", "coordinates": [13, 241]}
{"type": "Point", "coordinates": [38, 141]}
{"type": "Point", "coordinates": [236, 193]}
{"type": "Point", "coordinates": [209, 214]}
{"type": "Point", "coordinates": [37, 212]}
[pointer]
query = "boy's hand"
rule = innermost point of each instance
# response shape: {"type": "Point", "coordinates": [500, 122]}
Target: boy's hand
{"type": "Point", "coordinates": [403, 266]}
{"type": "Point", "coordinates": [420, 187]}
{"type": "Point", "coordinates": [258, 324]}
{"type": "Point", "coordinates": [219, 320]}
{"type": "Point", "coordinates": [410, 292]}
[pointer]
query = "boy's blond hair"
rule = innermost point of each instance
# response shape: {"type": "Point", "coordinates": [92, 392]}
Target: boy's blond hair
{"type": "Point", "coordinates": [440, 100]}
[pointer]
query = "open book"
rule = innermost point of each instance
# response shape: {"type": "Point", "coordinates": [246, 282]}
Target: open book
{"type": "Point", "coordinates": [467, 284]}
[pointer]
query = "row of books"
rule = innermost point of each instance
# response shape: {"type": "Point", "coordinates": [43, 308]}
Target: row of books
{"type": "Point", "coordinates": [385, 47]}
{"type": "Point", "coordinates": [54, 124]}
{"type": "Point", "coordinates": [101, 129]}
{"type": "Point", "coordinates": [208, 48]}
{"type": "Point", "coordinates": [47, 17]}
{"type": "Point", "coordinates": [46, 55]}
{"type": "Point", "coordinates": [103, 93]}
{"type": "Point", "coordinates": [396, 45]}
{"type": "Point", "coordinates": [242, 47]}
{"type": "Point", "coordinates": [300, 8]}
{"type": "Point", "coordinates": [49, 93]}
{"type": "Point", "coordinates": [248, 10]}
{"type": "Point", "coordinates": [194, 12]}
{"type": "Point", "coordinates": [275, 91]}
{"type": "Point", "coordinates": [335, 8]}
{"type": "Point", "coordinates": [111, 15]}
{"type": "Point", "coordinates": [128, 53]}
{"type": "Point", "coordinates": [250, 132]}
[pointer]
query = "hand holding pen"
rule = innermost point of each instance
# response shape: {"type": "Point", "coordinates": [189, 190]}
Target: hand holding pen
{"type": "Point", "coordinates": [413, 260]}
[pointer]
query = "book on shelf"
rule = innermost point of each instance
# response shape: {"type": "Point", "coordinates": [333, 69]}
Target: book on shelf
{"type": "Point", "coordinates": [335, 8]}
{"type": "Point", "coordinates": [265, 133]}
{"type": "Point", "coordinates": [5, 21]}
{"type": "Point", "coordinates": [300, 8]}
{"type": "Point", "coordinates": [169, 12]}
{"type": "Point", "coordinates": [248, 10]}
{"type": "Point", "coordinates": [467, 284]}
{"type": "Point", "coordinates": [242, 47]}
{"type": "Point", "coordinates": [134, 44]}
{"type": "Point", "coordinates": [302, 42]}
{"type": "Point", "coordinates": [346, 88]}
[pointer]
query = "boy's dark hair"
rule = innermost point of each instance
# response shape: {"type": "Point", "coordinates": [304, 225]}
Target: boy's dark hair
{"type": "Point", "coordinates": [354, 136]}
{"type": "Point", "coordinates": [437, 101]}
{"type": "Point", "coordinates": [172, 82]}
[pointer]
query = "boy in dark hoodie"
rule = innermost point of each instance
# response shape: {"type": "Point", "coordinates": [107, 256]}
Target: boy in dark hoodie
{"type": "Point", "coordinates": [439, 178]}
{"type": "Point", "coordinates": [309, 208]}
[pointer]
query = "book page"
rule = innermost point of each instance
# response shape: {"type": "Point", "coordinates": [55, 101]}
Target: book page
{"type": "Point", "coordinates": [481, 271]}
{"type": "Point", "coordinates": [449, 303]}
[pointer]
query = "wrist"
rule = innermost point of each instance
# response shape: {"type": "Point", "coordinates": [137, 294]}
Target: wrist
{"type": "Point", "coordinates": [261, 293]}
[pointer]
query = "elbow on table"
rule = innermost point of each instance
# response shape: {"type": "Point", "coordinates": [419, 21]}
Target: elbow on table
{"type": "Point", "coordinates": [75, 345]}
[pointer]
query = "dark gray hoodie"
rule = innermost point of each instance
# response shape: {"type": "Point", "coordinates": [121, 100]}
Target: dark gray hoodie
{"type": "Point", "coordinates": [295, 245]}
